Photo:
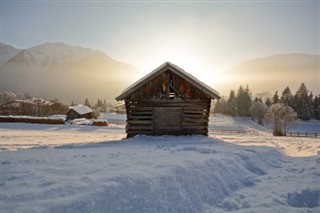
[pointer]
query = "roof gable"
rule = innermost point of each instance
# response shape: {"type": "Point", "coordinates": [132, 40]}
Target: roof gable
{"type": "Point", "coordinates": [178, 71]}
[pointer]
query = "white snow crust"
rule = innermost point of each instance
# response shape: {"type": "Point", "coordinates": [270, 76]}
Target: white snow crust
{"type": "Point", "coordinates": [81, 109]}
{"type": "Point", "coordinates": [92, 169]}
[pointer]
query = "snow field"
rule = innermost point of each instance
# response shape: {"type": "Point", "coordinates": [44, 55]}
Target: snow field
{"type": "Point", "coordinates": [16, 136]}
{"type": "Point", "coordinates": [158, 174]}
{"type": "Point", "coordinates": [290, 146]}
{"type": "Point", "coordinates": [262, 136]}
{"type": "Point", "coordinates": [22, 135]}
{"type": "Point", "coordinates": [93, 169]}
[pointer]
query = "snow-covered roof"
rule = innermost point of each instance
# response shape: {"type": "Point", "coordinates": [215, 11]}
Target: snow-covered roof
{"type": "Point", "coordinates": [81, 109]}
{"type": "Point", "coordinates": [175, 69]}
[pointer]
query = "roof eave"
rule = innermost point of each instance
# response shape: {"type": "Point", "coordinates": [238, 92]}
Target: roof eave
{"type": "Point", "coordinates": [182, 74]}
{"type": "Point", "coordinates": [141, 81]}
{"type": "Point", "coordinates": [175, 69]}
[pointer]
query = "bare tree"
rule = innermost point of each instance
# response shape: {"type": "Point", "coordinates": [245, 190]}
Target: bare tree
{"type": "Point", "coordinates": [281, 116]}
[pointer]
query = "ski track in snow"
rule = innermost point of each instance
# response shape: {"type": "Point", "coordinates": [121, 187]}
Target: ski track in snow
{"type": "Point", "coordinates": [156, 174]}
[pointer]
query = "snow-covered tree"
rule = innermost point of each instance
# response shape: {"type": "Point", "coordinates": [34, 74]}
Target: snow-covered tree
{"type": "Point", "coordinates": [281, 116]}
{"type": "Point", "coordinates": [6, 97]}
{"type": "Point", "coordinates": [258, 110]}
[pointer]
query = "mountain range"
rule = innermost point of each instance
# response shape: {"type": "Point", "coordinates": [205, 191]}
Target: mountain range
{"type": "Point", "coordinates": [73, 73]}
{"type": "Point", "coordinates": [7, 52]}
{"type": "Point", "coordinates": [69, 73]}
{"type": "Point", "coordinates": [274, 73]}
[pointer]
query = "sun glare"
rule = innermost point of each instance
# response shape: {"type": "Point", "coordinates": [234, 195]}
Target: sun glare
{"type": "Point", "coordinates": [189, 63]}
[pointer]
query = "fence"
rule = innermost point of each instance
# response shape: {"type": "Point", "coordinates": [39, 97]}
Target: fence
{"type": "Point", "coordinates": [229, 132]}
{"type": "Point", "coordinates": [303, 134]}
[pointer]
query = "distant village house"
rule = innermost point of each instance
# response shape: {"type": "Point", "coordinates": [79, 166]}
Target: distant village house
{"type": "Point", "coordinates": [79, 111]}
{"type": "Point", "coordinates": [120, 108]}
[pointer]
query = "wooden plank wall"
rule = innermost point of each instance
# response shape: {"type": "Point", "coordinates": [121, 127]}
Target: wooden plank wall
{"type": "Point", "coordinates": [167, 120]}
{"type": "Point", "coordinates": [139, 119]}
{"type": "Point", "coordinates": [194, 117]}
{"type": "Point", "coordinates": [168, 83]}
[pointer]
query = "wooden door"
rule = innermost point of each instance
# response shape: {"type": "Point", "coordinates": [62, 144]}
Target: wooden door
{"type": "Point", "coordinates": [167, 120]}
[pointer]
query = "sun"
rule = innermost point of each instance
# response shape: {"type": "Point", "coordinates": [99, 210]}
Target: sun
{"type": "Point", "coordinates": [182, 59]}
{"type": "Point", "coordinates": [184, 54]}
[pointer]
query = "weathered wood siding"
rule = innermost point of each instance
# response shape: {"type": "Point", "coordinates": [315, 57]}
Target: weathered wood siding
{"type": "Point", "coordinates": [74, 115]}
{"type": "Point", "coordinates": [168, 86]}
{"type": "Point", "coordinates": [167, 117]}
{"type": "Point", "coordinates": [168, 104]}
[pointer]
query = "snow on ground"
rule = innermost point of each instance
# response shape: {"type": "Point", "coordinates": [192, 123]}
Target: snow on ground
{"type": "Point", "coordinates": [261, 136]}
{"type": "Point", "coordinates": [90, 169]}
{"type": "Point", "coordinates": [306, 126]}
{"type": "Point", "coordinates": [25, 135]}
{"type": "Point", "coordinates": [291, 146]}
{"type": "Point", "coordinates": [223, 122]}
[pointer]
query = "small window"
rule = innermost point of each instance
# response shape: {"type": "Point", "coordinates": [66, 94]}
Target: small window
{"type": "Point", "coordinates": [171, 95]}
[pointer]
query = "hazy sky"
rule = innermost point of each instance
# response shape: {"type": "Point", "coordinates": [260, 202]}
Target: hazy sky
{"type": "Point", "coordinates": [206, 36]}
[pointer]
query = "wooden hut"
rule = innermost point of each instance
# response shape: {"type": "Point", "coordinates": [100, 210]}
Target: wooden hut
{"type": "Point", "coordinates": [168, 101]}
{"type": "Point", "coordinates": [79, 111]}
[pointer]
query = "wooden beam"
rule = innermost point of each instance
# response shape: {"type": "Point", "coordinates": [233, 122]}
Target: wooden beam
{"type": "Point", "coordinates": [177, 91]}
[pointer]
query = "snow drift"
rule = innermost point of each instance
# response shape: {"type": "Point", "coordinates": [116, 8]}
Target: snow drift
{"type": "Point", "coordinates": [158, 174]}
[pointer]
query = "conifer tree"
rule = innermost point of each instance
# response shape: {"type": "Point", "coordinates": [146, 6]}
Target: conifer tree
{"type": "Point", "coordinates": [303, 103]}
{"type": "Point", "coordinates": [99, 103]}
{"type": "Point", "coordinates": [287, 97]}
{"type": "Point", "coordinates": [231, 108]}
{"type": "Point", "coordinates": [243, 101]}
{"type": "Point", "coordinates": [220, 106]}
{"type": "Point", "coordinates": [316, 107]}
{"type": "Point", "coordinates": [104, 105]}
{"type": "Point", "coordinates": [268, 102]}
{"type": "Point", "coordinates": [275, 98]}
{"type": "Point", "coordinates": [87, 103]}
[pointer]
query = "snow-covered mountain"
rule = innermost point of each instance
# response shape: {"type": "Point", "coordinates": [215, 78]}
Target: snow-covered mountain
{"type": "Point", "coordinates": [7, 52]}
{"type": "Point", "coordinates": [73, 73]}
{"type": "Point", "coordinates": [52, 55]}
{"type": "Point", "coordinates": [69, 73]}
{"type": "Point", "coordinates": [276, 72]}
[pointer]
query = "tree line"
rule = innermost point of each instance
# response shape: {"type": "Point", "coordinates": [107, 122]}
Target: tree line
{"type": "Point", "coordinates": [100, 105]}
{"type": "Point", "coordinates": [281, 111]}
{"type": "Point", "coordinates": [303, 102]}
{"type": "Point", "coordinates": [24, 104]}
